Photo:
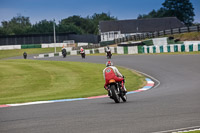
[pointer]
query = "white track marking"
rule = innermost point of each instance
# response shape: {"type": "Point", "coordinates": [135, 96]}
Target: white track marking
{"type": "Point", "coordinates": [177, 130]}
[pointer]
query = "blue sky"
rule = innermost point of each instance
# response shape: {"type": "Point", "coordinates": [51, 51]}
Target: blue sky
{"type": "Point", "coordinates": [59, 9]}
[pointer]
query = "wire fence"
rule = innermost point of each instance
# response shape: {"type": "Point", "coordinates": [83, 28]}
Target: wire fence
{"type": "Point", "coordinates": [47, 38]}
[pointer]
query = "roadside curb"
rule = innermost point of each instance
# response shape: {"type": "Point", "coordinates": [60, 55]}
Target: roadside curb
{"type": "Point", "coordinates": [148, 86]}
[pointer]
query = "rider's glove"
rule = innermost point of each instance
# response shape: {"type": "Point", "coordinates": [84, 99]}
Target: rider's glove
{"type": "Point", "coordinates": [106, 87]}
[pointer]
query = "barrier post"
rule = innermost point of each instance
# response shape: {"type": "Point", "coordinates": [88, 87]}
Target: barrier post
{"type": "Point", "coordinates": [175, 48]}
{"type": "Point", "coordinates": [154, 49]}
{"type": "Point", "coordinates": [161, 49]}
{"type": "Point", "coordinates": [182, 48]}
{"type": "Point", "coordinates": [168, 49]}
{"type": "Point", "coordinates": [198, 47]}
{"type": "Point", "coordinates": [191, 48]}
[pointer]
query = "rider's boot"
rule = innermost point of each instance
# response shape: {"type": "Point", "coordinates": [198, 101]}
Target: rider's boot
{"type": "Point", "coordinates": [123, 87]}
{"type": "Point", "coordinates": [125, 91]}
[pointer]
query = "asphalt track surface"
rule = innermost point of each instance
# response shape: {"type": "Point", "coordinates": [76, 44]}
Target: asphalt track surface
{"type": "Point", "coordinates": [174, 104]}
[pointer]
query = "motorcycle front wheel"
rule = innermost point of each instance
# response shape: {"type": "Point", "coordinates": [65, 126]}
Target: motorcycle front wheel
{"type": "Point", "coordinates": [124, 97]}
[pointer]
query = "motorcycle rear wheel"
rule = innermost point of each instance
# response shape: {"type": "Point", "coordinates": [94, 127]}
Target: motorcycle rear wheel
{"type": "Point", "coordinates": [115, 96]}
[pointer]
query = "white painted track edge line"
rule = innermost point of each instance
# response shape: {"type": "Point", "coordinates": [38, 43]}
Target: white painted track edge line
{"type": "Point", "coordinates": [40, 102]}
{"type": "Point", "coordinates": [176, 130]}
{"type": "Point", "coordinates": [158, 82]}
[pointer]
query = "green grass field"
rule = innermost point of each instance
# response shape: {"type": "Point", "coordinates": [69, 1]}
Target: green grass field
{"type": "Point", "coordinates": [19, 52]}
{"type": "Point", "coordinates": [194, 36]}
{"type": "Point", "coordinates": [191, 131]}
{"type": "Point", "coordinates": [34, 80]}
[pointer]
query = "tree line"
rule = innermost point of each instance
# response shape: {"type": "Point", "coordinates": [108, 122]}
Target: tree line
{"type": "Point", "coordinates": [74, 24]}
{"type": "Point", "coordinates": [182, 9]}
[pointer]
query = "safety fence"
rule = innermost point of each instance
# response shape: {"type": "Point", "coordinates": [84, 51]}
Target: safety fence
{"type": "Point", "coordinates": [77, 52]}
{"type": "Point", "coordinates": [11, 47]}
{"type": "Point", "coordinates": [156, 34]}
{"type": "Point", "coordinates": [133, 50]}
{"type": "Point", "coordinates": [47, 38]}
{"type": "Point", "coordinates": [49, 45]}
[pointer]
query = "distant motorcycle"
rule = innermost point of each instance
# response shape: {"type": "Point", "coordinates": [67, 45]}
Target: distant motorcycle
{"type": "Point", "coordinates": [115, 92]}
{"type": "Point", "coordinates": [82, 55]}
{"type": "Point", "coordinates": [25, 55]}
{"type": "Point", "coordinates": [64, 53]}
{"type": "Point", "coordinates": [109, 55]}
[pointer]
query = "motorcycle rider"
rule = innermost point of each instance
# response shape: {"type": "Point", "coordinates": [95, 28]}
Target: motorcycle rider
{"type": "Point", "coordinates": [25, 55]}
{"type": "Point", "coordinates": [82, 50]}
{"type": "Point", "coordinates": [111, 72]}
{"type": "Point", "coordinates": [64, 52]}
{"type": "Point", "coordinates": [108, 51]}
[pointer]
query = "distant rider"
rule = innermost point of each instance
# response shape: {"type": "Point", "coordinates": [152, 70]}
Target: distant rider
{"type": "Point", "coordinates": [82, 50]}
{"type": "Point", "coordinates": [64, 52]}
{"type": "Point", "coordinates": [25, 55]}
{"type": "Point", "coordinates": [111, 72]}
{"type": "Point", "coordinates": [108, 51]}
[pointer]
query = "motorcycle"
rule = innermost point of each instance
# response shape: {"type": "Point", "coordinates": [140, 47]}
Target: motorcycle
{"type": "Point", "coordinates": [64, 53]}
{"type": "Point", "coordinates": [109, 55]}
{"type": "Point", "coordinates": [115, 91]}
{"type": "Point", "coordinates": [83, 55]}
{"type": "Point", "coordinates": [25, 55]}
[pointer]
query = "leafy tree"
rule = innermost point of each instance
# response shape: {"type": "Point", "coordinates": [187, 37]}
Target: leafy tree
{"type": "Point", "coordinates": [69, 28]}
{"type": "Point", "coordinates": [88, 24]}
{"type": "Point", "coordinates": [154, 14]}
{"type": "Point", "coordinates": [75, 20]}
{"type": "Point", "coordinates": [42, 26]}
{"type": "Point", "coordinates": [1, 31]}
{"type": "Point", "coordinates": [182, 9]}
{"type": "Point", "coordinates": [77, 24]}
{"type": "Point", "coordinates": [72, 24]}
{"type": "Point", "coordinates": [101, 17]}
{"type": "Point", "coordinates": [17, 25]}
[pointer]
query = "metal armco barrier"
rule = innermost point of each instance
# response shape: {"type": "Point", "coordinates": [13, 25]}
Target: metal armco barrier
{"type": "Point", "coordinates": [134, 50]}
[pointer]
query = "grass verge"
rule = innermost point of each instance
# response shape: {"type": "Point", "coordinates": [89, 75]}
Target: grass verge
{"type": "Point", "coordinates": [19, 52]}
{"type": "Point", "coordinates": [34, 80]}
{"type": "Point", "coordinates": [191, 36]}
{"type": "Point", "coordinates": [189, 131]}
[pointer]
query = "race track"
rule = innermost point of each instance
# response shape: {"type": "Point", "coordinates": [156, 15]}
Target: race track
{"type": "Point", "coordinates": [174, 104]}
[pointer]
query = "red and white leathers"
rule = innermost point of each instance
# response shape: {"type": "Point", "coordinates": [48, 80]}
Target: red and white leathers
{"type": "Point", "coordinates": [82, 50]}
{"type": "Point", "coordinates": [108, 49]}
{"type": "Point", "coordinates": [111, 72]}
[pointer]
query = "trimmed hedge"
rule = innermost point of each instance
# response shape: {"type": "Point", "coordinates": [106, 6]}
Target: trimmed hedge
{"type": "Point", "coordinates": [102, 44]}
{"type": "Point", "coordinates": [31, 46]}
{"type": "Point", "coordinates": [147, 42]}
